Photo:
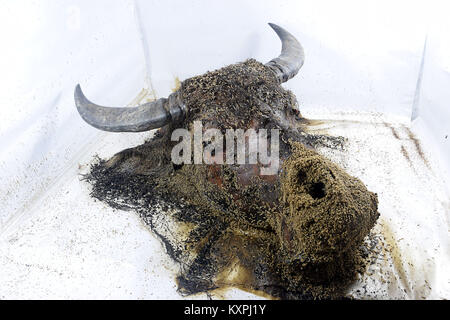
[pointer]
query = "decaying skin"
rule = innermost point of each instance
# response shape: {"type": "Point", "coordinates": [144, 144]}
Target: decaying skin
{"type": "Point", "coordinates": [299, 229]}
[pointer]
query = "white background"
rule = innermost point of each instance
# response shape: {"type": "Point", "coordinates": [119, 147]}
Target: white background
{"type": "Point", "coordinates": [361, 56]}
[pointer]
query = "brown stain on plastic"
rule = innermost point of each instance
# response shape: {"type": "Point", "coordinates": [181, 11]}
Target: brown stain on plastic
{"type": "Point", "coordinates": [395, 253]}
{"type": "Point", "coordinates": [406, 155]}
{"type": "Point", "coordinates": [239, 277]}
{"type": "Point", "coordinates": [415, 142]}
{"type": "Point", "coordinates": [177, 84]}
{"type": "Point", "coordinates": [394, 133]}
{"type": "Point", "coordinates": [417, 146]}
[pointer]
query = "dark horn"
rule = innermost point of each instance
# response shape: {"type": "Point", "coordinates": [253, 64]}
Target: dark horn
{"type": "Point", "coordinates": [145, 117]}
{"type": "Point", "coordinates": [292, 56]}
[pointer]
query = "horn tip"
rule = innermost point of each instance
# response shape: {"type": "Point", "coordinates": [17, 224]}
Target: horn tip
{"type": "Point", "coordinates": [78, 91]}
{"type": "Point", "coordinates": [278, 30]}
{"type": "Point", "coordinates": [274, 26]}
{"type": "Point", "coordinates": [80, 99]}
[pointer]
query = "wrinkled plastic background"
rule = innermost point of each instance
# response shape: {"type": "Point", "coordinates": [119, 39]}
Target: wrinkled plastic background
{"type": "Point", "coordinates": [382, 57]}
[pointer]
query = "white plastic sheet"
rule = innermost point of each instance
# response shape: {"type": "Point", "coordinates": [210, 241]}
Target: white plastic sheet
{"type": "Point", "coordinates": [363, 61]}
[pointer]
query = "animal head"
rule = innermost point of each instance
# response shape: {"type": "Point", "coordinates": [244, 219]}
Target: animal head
{"type": "Point", "coordinates": [174, 109]}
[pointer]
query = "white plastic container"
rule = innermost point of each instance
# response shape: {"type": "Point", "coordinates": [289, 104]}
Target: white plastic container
{"type": "Point", "coordinates": [379, 74]}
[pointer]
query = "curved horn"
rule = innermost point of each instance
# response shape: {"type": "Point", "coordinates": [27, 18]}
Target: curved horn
{"type": "Point", "coordinates": [291, 59]}
{"type": "Point", "coordinates": [145, 117]}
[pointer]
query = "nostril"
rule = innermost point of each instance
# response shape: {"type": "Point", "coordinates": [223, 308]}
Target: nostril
{"type": "Point", "coordinates": [301, 176]}
{"type": "Point", "coordinates": [317, 190]}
